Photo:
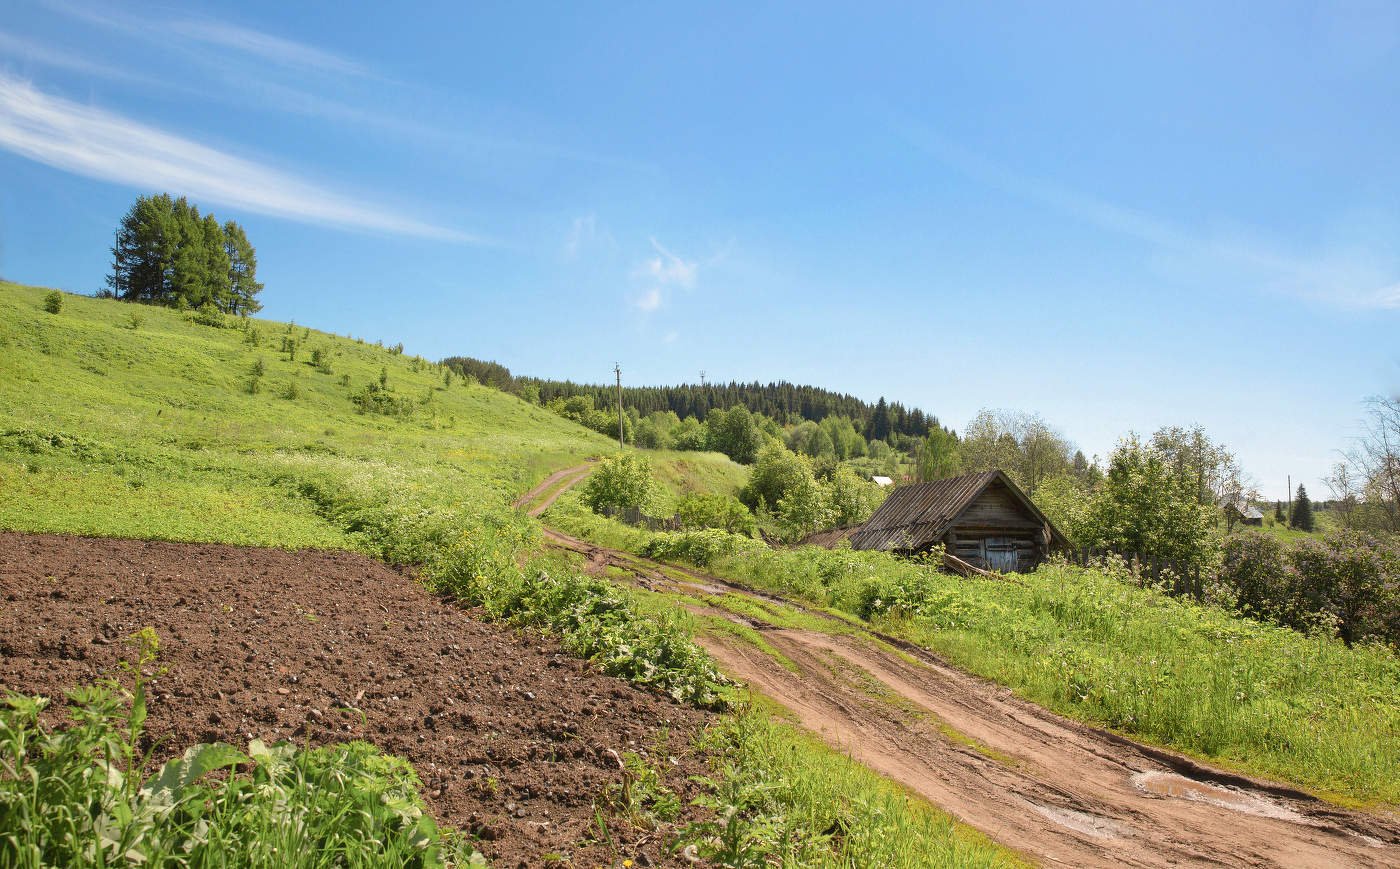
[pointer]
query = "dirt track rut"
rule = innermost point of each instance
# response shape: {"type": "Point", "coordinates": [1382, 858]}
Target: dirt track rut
{"type": "Point", "coordinates": [1057, 790]}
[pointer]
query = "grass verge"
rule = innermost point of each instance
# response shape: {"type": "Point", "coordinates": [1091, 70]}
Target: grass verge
{"type": "Point", "coordinates": [781, 798]}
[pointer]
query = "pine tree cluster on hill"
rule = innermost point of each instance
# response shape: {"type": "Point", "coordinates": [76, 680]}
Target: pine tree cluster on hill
{"type": "Point", "coordinates": [781, 402]}
{"type": "Point", "coordinates": [166, 253]}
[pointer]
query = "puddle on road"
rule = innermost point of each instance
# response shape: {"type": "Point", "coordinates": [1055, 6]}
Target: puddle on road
{"type": "Point", "coordinates": [1166, 784]}
{"type": "Point", "coordinates": [1082, 822]}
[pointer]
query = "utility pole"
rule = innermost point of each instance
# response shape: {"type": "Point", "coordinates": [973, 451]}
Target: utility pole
{"type": "Point", "coordinates": [617, 369]}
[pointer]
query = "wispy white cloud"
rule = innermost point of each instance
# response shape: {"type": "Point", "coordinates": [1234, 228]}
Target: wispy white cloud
{"type": "Point", "coordinates": [1339, 280]}
{"type": "Point", "coordinates": [264, 46]}
{"type": "Point", "coordinates": [671, 337]}
{"type": "Point", "coordinates": [1386, 297]}
{"type": "Point", "coordinates": [35, 52]}
{"type": "Point", "coordinates": [670, 269]}
{"type": "Point", "coordinates": [649, 300]}
{"type": "Point", "coordinates": [98, 144]}
{"type": "Point", "coordinates": [583, 232]}
{"type": "Point", "coordinates": [206, 32]}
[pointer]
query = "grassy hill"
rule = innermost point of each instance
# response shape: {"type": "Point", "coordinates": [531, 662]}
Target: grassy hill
{"type": "Point", "coordinates": [134, 421]}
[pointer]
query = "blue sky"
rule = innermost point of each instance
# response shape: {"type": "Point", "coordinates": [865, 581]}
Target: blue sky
{"type": "Point", "coordinates": [1118, 218]}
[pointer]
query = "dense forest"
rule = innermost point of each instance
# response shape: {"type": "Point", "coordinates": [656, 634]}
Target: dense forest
{"type": "Point", "coordinates": [784, 403]}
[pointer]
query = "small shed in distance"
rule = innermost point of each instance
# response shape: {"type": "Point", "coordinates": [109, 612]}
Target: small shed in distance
{"type": "Point", "coordinates": [1243, 513]}
{"type": "Point", "coordinates": [983, 519]}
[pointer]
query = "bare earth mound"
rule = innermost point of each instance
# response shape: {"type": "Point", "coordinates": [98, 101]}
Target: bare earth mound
{"type": "Point", "coordinates": [513, 739]}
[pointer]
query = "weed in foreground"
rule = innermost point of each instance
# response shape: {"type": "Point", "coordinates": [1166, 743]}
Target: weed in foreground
{"type": "Point", "coordinates": [81, 795]}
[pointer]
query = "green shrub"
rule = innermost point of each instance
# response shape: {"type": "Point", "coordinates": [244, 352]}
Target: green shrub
{"type": "Point", "coordinates": [1347, 584]}
{"type": "Point", "coordinates": [53, 301]}
{"type": "Point", "coordinates": [701, 548]}
{"type": "Point", "coordinates": [712, 510]}
{"type": "Point", "coordinates": [290, 391]}
{"type": "Point", "coordinates": [210, 315]}
{"type": "Point", "coordinates": [134, 320]}
{"type": "Point", "coordinates": [623, 480]}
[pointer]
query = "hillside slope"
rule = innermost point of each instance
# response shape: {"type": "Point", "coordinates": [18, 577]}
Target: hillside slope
{"type": "Point", "coordinates": [104, 398]}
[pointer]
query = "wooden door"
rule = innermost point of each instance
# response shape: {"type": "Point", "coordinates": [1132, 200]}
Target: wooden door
{"type": "Point", "coordinates": [1003, 555]}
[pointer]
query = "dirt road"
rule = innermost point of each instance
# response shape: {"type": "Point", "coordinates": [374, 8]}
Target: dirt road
{"type": "Point", "coordinates": [1057, 790]}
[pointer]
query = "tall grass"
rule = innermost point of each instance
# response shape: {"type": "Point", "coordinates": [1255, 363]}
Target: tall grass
{"type": "Point", "coordinates": [781, 798]}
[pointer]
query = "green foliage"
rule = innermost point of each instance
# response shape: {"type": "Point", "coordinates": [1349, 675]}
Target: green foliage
{"type": "Point", "coordinates": [209, 315]}
{"type": "Point", "coordinates": [734, 433]}
{"type": "Point", "coordinates": [939, 456]}
{"type": "Point", "coordinates": [782, 799]}
{"type": "Point", "coordinates": [1302, 518]}
{"type": "Point", "coordinates": [786, 484]}
{"type": "Point", "coordinates": [217, 463]}
{"type": "Point", "coordinates": [81, 796]}
{"type": "Point", "coordinates": [1143, 506]}
{"type": "Point", "coordinates": [1346, 585]}
{"type": "Point", "coordinates": [776, 473]}
{"type": "Point", "coordinates": [623, 480]}
{"type": "Point", "coordinates": [53, 301]}
{"type": "Point", "coordinates": [166, 253]}
{"type": "Point", "coordinates": [701, 548]}
{"type": "Point", "coordinates": [595, 619]}
{"type": "Point", "coordinates": [699, 510]}
{"type": "Point", "coordinates": [852, 498]}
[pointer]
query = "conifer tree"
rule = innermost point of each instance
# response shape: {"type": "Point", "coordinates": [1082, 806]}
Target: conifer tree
{"type": "Point", "coordinates": [1279, 516]}
{"type": "Point", "coordinates": [242, 271]}
{"type": "Point", "coordinates": [165, 253]}
{"type": "Point", "coordinates": [1302, 511]}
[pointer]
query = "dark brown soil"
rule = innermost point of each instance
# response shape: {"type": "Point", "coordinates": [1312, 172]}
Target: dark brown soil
{"type": "Point", "coordinates": [514, 740]}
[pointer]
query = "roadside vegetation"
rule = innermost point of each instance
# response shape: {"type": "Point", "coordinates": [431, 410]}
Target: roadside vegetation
{"type": "Point", "coordinates": [781, 798]}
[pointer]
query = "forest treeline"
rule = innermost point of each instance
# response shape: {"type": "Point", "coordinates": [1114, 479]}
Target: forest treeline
{"type": "Point", "coordinates": [166, 253]}
{"type": "Point", "coordinates": [784, 403]}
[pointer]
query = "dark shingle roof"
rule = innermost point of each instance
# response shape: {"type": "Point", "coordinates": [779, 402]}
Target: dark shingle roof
{"type": "Point", "coordinates": [918, 515]}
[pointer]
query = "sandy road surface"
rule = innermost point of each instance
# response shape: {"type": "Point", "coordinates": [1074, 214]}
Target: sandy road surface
{"type": "Point", "coordinates": [1058, 790]}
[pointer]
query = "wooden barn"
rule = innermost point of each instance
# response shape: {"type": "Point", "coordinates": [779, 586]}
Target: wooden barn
{"type": "Point", "coordinates": [983, 519]}
{"type": "Point", "coordinates": [1240, 511]}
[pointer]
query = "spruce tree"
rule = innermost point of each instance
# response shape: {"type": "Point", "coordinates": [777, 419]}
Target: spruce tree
{"type": "Point", "coordinates": [1302, 511]}
{"type": "Point", "coordinates": [1279, 516]}
{"type": "Point", "coordinates": [242, 271]}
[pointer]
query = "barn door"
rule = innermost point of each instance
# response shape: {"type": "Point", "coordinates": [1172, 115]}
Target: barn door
{"type": "Point", "coordinates": [1002, 554]}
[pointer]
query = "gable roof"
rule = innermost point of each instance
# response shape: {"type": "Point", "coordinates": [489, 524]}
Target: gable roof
{"type": "Point", "coordinates": [918, 515]}
{"type": "Point", "coordinates": [1244, 509]}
